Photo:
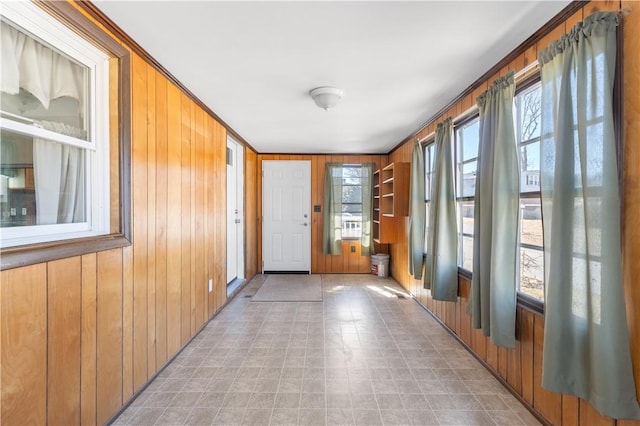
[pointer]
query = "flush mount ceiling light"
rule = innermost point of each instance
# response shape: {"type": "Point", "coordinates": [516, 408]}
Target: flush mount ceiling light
{"type": "Point", "coordinates": [326, 97]}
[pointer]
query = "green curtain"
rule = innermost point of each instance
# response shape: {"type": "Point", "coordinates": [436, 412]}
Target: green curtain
{"type": "Point", "coordinates": [586, 343]}
{"type": "Point", "coordinates": [441, 271]}
{"type": "Point", "coordinates": [416, 212]}
{"type": "Point", "coordinates": [332, 216]}
{"type": "Point", "coordinates": [366, 240]}
{"type": "Point", "coordinates": [496, 215]}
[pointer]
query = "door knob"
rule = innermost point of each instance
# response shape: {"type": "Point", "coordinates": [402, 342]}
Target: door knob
{"type": "Point", "coordinates": [305, 224]}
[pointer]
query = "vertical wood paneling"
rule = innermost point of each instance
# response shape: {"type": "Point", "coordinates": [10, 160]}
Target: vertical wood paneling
{"type": "Point", "coordinates": [200, 283]}
{"type": "Point", "coordinates": [250, 213]}
{"type": "Point", "coordinates": [162, 184]}
{"type": "Point", "coordinates": [151, 221]}
{"type": "Point", "coordinates": [24, 345]}
{"type": "Point", "coordinates": [64, 307]}
{"type": "Point", "coordinates": [589, 416]}
{"type": "Point", "coordinates": [127, 322]}
{"type": "Point", "coordinates": [548, 403]}
{"type": "Point", "coordinates": [526, 351]}
{"type": "Point", "coordinates": [193, 236]}
{"type": "Point", "coordinates": [185, 215]}
{"type": "Point", "coordinates": [209, 221]}
{"type": "Point", "coordinates": [88, 341]}
{"type": "Point", "coordinates": [109, 332]}
{"type": "Point", "coordinates": [514, 365]}
{"type": "Point", "coordinates": [219, 141]}
{"type": "Point", "coordinates": [139, 160]}
{"type": "Point", "coordinates": [174, 221]}
{"type": "Point", "coordinates": [570, 411]}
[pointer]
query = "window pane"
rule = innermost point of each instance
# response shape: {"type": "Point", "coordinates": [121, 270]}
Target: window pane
{"type": "Point", "coordinates": [41, 182]}
{"type": "Point", "coordinates": [352, 194]}
{"type": "Point", "coordinates": [467, 180]}
{"type": "Point", "coordinates": [532, 272]}
{"type": "Point", "coordinates": [529, 113]}
{"type": "Point", "coordinates": [467, 253]}
{"type": "Point", "coordinates": [468, 142]}
{"type": "Point", "coordinates": [466, 211]}
{"type": "Point", "coordinates": [530, 167]}
{"type": "Point", "coordinates": [54, 96]}
{"type": "Point", "coordinates": [352, 208]}
{"type": "Point", "coordinates": [531, 229]}
{"type": "Point", "coordinates": [426, 228]}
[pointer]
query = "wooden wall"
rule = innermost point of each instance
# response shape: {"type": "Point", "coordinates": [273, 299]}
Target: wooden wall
{"type": "Point", "coordinates": [251, 218]}
{"type": "Point", "coordinates": [80, 336]}
{"type": "Point", "coordinates": [348, 262]}
{"type": "Point", "coordinates": [521, 367]}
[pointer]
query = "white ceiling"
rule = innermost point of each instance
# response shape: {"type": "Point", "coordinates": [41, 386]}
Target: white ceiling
{"type": "Point", "coordinates": [253, 63]}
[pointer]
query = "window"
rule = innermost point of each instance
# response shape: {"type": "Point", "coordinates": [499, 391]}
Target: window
{"type": "Point", "coordinates": [527, 106]}
{"type": "Point", "coordinates": [429, 175]}
{"type": "Point", "coordinates": [54, 172]}
{"type": "Point", "coordinates": [352, 181]}
{"type": "Point", "coordinates": [467, 136]}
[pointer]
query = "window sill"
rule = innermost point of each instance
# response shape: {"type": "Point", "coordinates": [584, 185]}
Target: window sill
{"type": "Point", "coordinates": [523, 300]}
{"type": "Point", "coordinates": [16, 257]}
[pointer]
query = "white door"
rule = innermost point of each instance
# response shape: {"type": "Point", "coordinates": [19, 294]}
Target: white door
{"type": "Point", "coordinates": [286, 216]}
{"type": "Point", "coordinates": [235, 209]}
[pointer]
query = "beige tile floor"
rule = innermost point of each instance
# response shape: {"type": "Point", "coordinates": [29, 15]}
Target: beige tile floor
{"type": "Point", "coordinates": [363, 356]}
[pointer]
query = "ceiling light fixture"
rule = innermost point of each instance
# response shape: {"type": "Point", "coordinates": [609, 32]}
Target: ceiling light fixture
{"type": "Point", "coordinates": [325, 97]}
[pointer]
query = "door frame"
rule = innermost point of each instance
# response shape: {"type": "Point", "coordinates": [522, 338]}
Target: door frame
{"type": "Point", "coordinates": [237, 153]}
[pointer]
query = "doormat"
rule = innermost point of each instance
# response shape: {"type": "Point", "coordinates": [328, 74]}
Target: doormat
{"type": "Point", "coordinates": [290, 288]}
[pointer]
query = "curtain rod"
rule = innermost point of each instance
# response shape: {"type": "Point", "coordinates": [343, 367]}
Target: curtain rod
{"type": "Point", "coordinates": [519, 76]}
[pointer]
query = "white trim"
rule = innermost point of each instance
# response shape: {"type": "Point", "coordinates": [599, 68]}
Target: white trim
{"type": "Point", "coordinates": [39, 132]}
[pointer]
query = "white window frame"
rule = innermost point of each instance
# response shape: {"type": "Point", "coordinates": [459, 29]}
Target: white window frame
{"type": "Point", "coordinates": [461, 199]}
{"type": "Point", "coordinates": [40, 24]}
{"type": "Point", "coordinates": [527, 194]}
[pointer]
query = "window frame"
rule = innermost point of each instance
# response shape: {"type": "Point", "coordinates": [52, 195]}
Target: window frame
{"type": "Point", "coordinates": [525, 299]}
{"type": "Point", "coordinates": [465, 121]}
{"type": "Point", "coordinates": [118, 149]}
{"type": "Point", "coordinates": [428, 145]}
{"type": "Point", "coordinates": [95, 149]}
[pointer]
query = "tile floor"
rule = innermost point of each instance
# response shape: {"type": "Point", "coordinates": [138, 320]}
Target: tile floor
{"type": "Point", "coordinates": [363, 356]}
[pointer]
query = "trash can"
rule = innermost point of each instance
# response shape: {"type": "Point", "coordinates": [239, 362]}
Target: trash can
{"type": "Point", "coordinates": [380, 265]}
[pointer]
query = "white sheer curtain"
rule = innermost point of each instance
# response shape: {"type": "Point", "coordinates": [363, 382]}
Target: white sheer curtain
{"type": "Point", "coordinates": [29, 65]}
{"type": "Point", "coordinates": [59, 177]}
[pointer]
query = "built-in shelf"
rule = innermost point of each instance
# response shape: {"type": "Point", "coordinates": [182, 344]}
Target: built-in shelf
{"type": "Point", "coordinates": [390, 201]}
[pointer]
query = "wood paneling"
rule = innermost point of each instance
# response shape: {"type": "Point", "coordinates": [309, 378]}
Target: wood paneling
{"type": "Point", "coordinates": [250, 213]}
{"type": "Point", "coordinates": [174, 197]}
{"type": "Point", "coordinates": [151, 210]}
{"type": "Point", "coordinates": [109, 332]}
{"type": "Point", "coordinates": [88, 341]}
{"type": "Point", "coordinates": [64, 302]}
{"type": "Point", "coordinates": [161, 219]}
{"type": "Point", "coordinates": [348, 262]}
{"type": "Point", "coordinates": [24, 345]}
{"type": "Point", "coordinates": [139, 160]}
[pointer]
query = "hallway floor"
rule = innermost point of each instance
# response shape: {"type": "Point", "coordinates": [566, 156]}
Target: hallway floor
{"type": "Point", "coordinates": [367, 355]}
